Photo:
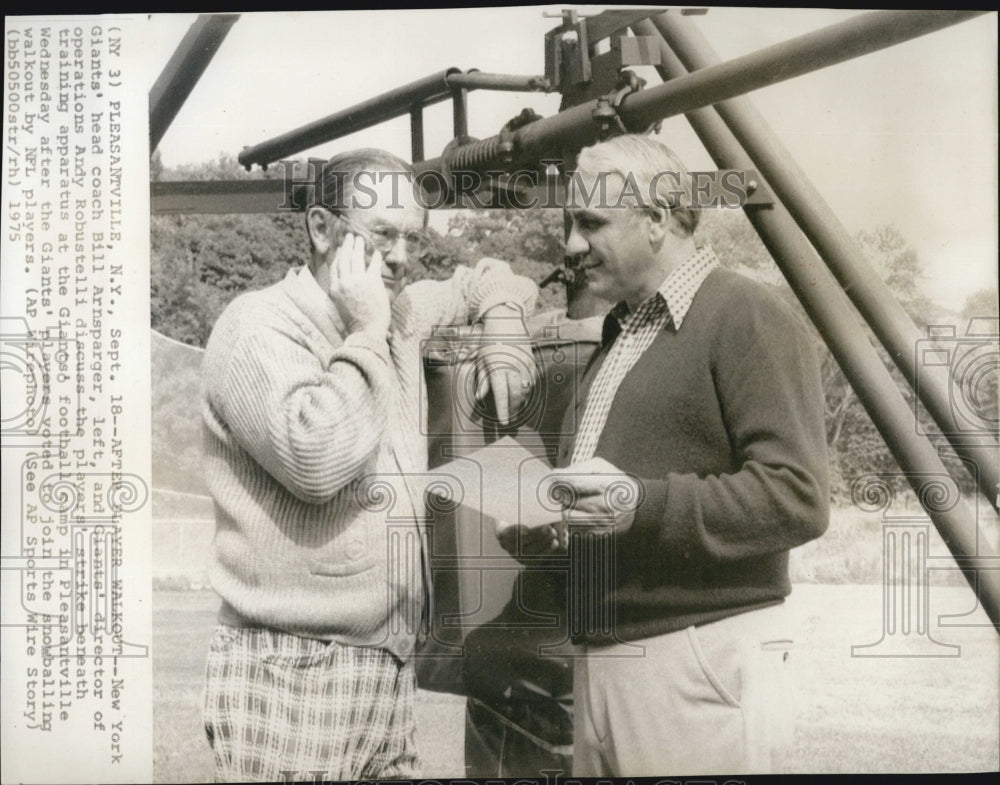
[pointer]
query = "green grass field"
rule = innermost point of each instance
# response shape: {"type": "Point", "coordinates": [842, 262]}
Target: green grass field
{"type": "Point", "coordinates": [900, 713]}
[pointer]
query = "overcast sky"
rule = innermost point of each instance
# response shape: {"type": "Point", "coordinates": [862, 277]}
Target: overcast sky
{"type": "Point", "coordinates": [906, 136]}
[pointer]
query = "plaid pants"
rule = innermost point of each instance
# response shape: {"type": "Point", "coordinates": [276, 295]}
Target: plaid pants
{"type": "Point", "coordinates": [283, 708]}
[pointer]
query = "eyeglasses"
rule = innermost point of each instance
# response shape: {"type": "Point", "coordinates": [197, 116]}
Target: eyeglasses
{"type": "Point", "coordinates": [384, 238]}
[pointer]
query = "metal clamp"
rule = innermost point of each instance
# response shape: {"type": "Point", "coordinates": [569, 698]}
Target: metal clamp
{"type": "Point", "coordinates": [506, 135]}
{"type": "Point", "coordinates": [606, 115]}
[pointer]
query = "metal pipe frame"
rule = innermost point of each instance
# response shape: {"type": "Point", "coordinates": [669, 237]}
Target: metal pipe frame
{"type": "Point", "coordinates": [459, 113]}
{"type": "Point", "coordinates": [217, 196]}
{"type": "Point", "coordinates": [423, 92]}
{"type": "Point", "coordinates": [893, 326]}
{"type": "Point", "coordinates": [546, 138]}
{"type": "Point", "coordinates": [477, 80]}
{"type": "Point", "coordinates": [178, 197]}
{"type": "Point", "coordinates": [409, 98]}
{"type": "Point", "coordinates": [416, 133]}
{"type": "Point", "coordinates": [831, 311]}
{"type": "Point", "coordinates": [183, 70]}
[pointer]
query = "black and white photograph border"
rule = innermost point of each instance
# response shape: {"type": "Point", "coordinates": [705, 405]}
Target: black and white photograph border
{"type": "Point", "coordinates": [896, 660]}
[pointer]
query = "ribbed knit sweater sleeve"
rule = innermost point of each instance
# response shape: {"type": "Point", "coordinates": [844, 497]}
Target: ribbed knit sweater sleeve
{"type": "Point", "coordinates": [463, 298]}
{"type": "Point", "coordinates": [312, 423]}
{"type": "Point", "coordinates": [768, 387]}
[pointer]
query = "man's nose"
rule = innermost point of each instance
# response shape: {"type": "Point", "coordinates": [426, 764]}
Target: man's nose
{"type": "Point", "coordinates": [396, 257]}
{"type": "Point", "coordinates": [576, 244]}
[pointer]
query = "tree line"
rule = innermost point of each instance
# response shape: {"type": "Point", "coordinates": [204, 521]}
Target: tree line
{"type": "Point", "coordinates": [201, 262]}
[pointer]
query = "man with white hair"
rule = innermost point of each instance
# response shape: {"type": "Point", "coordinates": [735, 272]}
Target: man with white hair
{"type": "Point", "coordinates": [311, 386]}
{"type": "Point", "coordinates": [696, 450]}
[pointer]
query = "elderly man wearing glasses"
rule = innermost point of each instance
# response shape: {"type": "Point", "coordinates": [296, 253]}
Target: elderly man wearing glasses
{"type": "Point", "coordinates": [310, 386]}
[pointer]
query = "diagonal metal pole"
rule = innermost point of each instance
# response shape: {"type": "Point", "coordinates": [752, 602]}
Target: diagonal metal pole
{"type": "Point", "coordinates": [893, 326]}
{"type": "Point", "coordinates": [832, 313]}
{"type": "Point", "coordinates": [183, 70]}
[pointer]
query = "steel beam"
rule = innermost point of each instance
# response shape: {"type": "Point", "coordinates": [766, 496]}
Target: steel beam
{"type": "Point", "coordinates": [423, 92]}
{"type": "Point", "coordinates": [272, 196]}
{"type": "Point", "coordinates": [893, 326]}
{"type": "Point", "coordinates": [183, 70]}
{"type": "Point", "coordinates": [548, 138]}
{"type": "Point", "coordinates": [831, 311]}
{"type": "Point", "coordinates": [216, 196]}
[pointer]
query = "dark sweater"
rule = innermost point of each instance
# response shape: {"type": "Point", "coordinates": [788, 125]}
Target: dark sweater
{"type": "Point", "coordinates": [723, 423]}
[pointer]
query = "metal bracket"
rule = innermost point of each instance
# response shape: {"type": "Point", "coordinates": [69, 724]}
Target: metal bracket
{"type": "Point", "coordinates": [526, 117]}
{"type": "Point", "coordinates": [567, 55]}
{"type": "Point", "coordinates": [605, 114]}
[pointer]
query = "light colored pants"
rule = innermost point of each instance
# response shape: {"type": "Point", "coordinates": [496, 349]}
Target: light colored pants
{"type": "Point", "coordinates": [714, 699]}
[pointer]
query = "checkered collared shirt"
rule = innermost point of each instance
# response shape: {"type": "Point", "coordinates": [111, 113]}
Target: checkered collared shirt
{"type": "Point", "coordinates": [632, 335]}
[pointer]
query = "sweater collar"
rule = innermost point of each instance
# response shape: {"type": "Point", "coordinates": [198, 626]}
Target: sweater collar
{"type": "Point", "coordinates": [316, 304]}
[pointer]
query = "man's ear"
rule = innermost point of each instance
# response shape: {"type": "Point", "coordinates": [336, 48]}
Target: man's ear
{"type": "Point", "coordinates": [664, 222]}
{"type": "Point", "coordinates": [659, 223]}
{"type": "Point", "coordinates": [676, 227]}
{"type": "Point", "coordinates": [317, 223]}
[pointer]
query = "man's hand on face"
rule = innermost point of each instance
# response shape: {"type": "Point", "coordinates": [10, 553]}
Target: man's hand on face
{"type": "Point", "coordinates": [357, 288]}
{"type": "Point", "coordinates": [505, 363]}
{"type": "Point", "coordinates": [594, 493]}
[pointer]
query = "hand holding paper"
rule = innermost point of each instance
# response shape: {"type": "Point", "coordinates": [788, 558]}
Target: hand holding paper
{"type": "Point", "coordinates": [520, 540]}
{"type": "Point", "coordinates": [522, 496]}
{"type": "Point", "coordinates": [596, 493]}
{"type": "Point", "coordinates": [503, 481]}
{"type": "Point", "coordinates": [505, 484]}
